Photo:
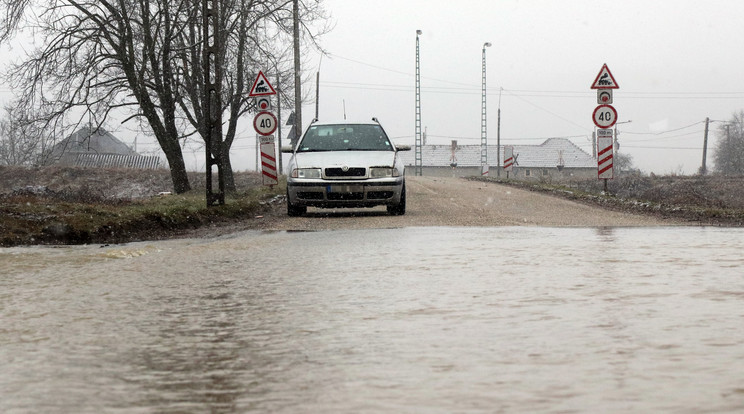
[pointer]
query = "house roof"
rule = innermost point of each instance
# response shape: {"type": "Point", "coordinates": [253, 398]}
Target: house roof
{"type": "Point", "coordinates": [549, 154]}
{"type": "Point", "coordinates": [89, 141]}
{"type": "Point", "coordinates": [99, 148]}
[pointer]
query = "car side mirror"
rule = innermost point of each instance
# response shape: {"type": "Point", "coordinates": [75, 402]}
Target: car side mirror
{"type": "Point", "coordinates": [287, 148]}
{"type": "Point", "coordinates": [402, 147]}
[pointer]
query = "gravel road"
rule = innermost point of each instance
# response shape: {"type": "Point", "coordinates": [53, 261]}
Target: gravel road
{"type": "Point", "coordinates": [438, 201]}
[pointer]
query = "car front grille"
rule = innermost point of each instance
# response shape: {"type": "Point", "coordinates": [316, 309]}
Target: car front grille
{"type": "Point", "coordinates": [340, 173]}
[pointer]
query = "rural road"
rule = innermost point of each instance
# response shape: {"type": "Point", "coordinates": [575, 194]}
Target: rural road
{"type": "Point", "coordinates": [440, 201]}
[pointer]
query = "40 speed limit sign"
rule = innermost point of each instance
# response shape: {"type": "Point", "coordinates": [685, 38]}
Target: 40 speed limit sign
{"type": "Point", "coordinates": [604, 116]}
{"type": "Point", "coordinates": [265, 123]}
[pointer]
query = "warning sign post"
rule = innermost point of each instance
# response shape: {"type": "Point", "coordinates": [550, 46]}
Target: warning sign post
{"type": "Point", "coordinates": [268, 161]}
{"type": "Point", "coordinates": [604, 117]}
{"type": "Point", "coordinates": [605, 157]}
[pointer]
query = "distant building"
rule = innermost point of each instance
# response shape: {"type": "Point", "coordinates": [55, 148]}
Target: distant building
{"type": "Point", "coordinates": [99, 148]}
{"type": "Point", "coordinates": [554, 158]}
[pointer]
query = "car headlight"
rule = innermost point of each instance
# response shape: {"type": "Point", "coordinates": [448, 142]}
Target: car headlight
{"type": "Point", "coordinates": [306, 173]}
{"type": "Point", "coordinates": [382, 172]}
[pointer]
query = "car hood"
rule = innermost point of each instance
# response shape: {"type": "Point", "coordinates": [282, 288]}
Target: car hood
{"type": "Point", "coordinates": [348, 158]}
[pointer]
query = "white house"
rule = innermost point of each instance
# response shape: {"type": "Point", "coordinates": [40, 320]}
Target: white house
{"type": "Point", "coordinates": [554, 158]}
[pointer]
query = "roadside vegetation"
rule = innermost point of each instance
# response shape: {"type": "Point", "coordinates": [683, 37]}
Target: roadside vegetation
{"type": "Point", "coordinates": [64, 205]}
{"type": "Point", "coordinates": [84, 206]}
{"type": "Point", "coordinates": [708, 200]}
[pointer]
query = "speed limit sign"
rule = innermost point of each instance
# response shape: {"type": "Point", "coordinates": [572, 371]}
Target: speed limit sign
{"type": "Point", "coordinates": [604, 116]}
{"type": "Point", "coordinates": [265, 123]}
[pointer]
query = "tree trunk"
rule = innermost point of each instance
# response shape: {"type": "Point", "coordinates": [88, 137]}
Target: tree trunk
{"type": "Point", "coordinates": [227, 171]}
{"type": "Point", "coordinates": [177, 168]}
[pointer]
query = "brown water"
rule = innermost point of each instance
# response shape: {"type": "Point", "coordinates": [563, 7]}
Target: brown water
{"type": "Point", "coordinates": [413, 320]}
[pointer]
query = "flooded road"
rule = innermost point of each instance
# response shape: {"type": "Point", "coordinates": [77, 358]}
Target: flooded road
{"type": "Point", "coordinates": [403, 320]}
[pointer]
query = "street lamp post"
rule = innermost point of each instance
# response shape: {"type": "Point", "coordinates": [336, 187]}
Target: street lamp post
{"type": "Point", "coordinates": [484, 138]}
{"type": "Point", "coordinates": [417, 135]}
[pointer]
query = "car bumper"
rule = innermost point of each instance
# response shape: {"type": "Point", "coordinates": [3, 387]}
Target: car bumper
{"type": "Point", "coordinates": [367, 193]}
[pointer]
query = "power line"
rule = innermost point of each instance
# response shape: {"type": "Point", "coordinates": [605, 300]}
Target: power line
{"type": "Point", "coordinates": [396, 71]}
{"type": "Point", "coordinates": [547, 111]}
{"type": "Point", "coordinates": [664, 148]}
{"type": "Point", "coordinates": [695, 133]}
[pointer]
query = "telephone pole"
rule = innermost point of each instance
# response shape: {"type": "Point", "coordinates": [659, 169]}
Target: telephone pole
{"type": "Point", "coordinates": [212, 100]}
{"type": "Point", "coordinates": [703, 169]}
{"type": "Point", "coordinates": [484, 135]}
{"type": "Point", "coordinates": [498, 137]}
{"type": "Point", "coordinates": [297, 77]}
{"type": "Point", "coordinates": [418, 160]}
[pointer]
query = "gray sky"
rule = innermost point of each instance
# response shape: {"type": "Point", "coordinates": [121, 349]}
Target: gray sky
{"type": "Point", "coordinates": [676, 62]}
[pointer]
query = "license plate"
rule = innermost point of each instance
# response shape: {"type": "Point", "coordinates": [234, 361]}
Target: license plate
{"type": "Point", "coordinates": [345, 189]}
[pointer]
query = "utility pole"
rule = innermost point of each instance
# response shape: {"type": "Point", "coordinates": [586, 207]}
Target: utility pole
{"type": "Point", "coordinates": [418, 161]}
{"type": "Point", "coordinates": [279, 118]}
{"type": "Point", "coordinates": [212, 103]}
{"type": "Point", "coordinates": [703, 169]}
{"type": "Point", "coordinates": [498, 137]}
{"type": "Point", "coordinates": [317, 93]}
{"type": "Point", "coordinates": [594, 144]}
{"type": "Point", "coordinates": [297, 79]}
{"type": "Point", "coordinates": [484, 136]}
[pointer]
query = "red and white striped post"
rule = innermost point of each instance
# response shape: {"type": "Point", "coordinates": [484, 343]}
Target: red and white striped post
{"type": "Point", "coordinates": [508, 159]}
{"type": "Point", "coordinates": [605, 158]}
{"type": "Point", "coordinates": [268, 161]}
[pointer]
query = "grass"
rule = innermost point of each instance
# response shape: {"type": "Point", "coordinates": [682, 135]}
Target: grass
{"type": "Point", "coordinates": [73, 216]}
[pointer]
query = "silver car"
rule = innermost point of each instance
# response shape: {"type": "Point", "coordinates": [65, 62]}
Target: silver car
{"type": "Point", "coordinates": [344, 164]}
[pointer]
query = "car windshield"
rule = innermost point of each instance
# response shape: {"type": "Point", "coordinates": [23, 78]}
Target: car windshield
{"type": "Point", "coordinates": [345, 137]}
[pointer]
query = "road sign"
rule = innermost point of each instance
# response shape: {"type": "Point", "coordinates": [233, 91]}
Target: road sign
{"type": "Point", "coordinates": [605, 80]}
{"type": "Point", "coordinates": [263, 103]}
{"type": "Point", "coordinates": [604, 132]}
{"type": "Point", "coordinates": [508, 158]}
{"type": "Point", "coordinates": [268, 160]}
{"type": "Point", "coordinates": [604, 157]}
{"type": "Point", "coordinates": [265, 123]}
{"type": "Point", "coordinates": [261, 86]}
{"type": "Point", "coordinates": [604, 96]}
{"type": "Point", "coordinates": [604, 116]}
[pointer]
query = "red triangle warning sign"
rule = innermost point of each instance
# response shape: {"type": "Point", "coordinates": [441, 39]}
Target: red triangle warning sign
{"type": "Point", "coordinates": [261, 86]}
{"type": "Point", "coordinates": [605, 80]}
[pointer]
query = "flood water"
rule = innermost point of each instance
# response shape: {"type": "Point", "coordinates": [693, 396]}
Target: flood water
{"type": "Point", "coordinates": [410, 320]}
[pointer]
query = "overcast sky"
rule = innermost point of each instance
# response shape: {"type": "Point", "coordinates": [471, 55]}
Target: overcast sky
{"type": "Point", "coordinates": [676, 62]}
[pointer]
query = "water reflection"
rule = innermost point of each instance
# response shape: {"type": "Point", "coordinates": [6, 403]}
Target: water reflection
{"type": "Point", "coordinates": [395, 320]}
{"type": "Point", "coordinates": [606, 234]}
{"type": "Point", "coordinates": [192, 350]}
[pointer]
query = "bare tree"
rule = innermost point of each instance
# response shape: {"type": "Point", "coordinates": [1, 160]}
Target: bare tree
{"type": "Point", "coordinates": [257, 36]}
{"type": "Point", "coordinates": [729, 153]}
{"type": "Point", "coordinates": [623, 162]}
{"type": "Point", "coordinates": [23, 141]}
{"type": "Point", "coordinates": [142, 57]}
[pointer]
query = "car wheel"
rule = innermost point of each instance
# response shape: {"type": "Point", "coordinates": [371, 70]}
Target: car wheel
{"type": "Point", "coordinates": [400, 208]}
{"type": "Point", "coordinates": [293, 210]}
